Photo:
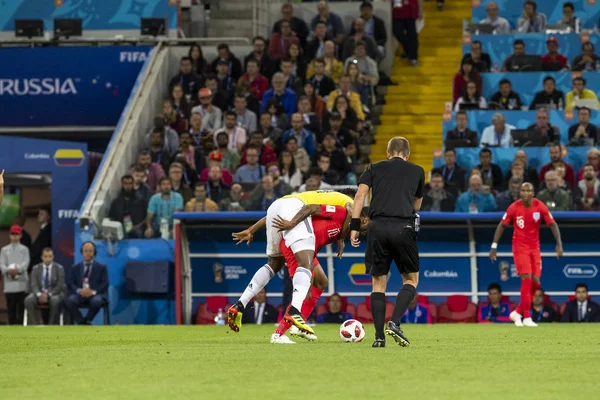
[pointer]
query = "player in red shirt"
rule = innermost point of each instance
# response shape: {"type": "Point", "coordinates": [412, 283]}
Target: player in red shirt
{"type": "Point", "coordinates": [330, 224]}
{"type": "Point", "coordinates": [526, 215]}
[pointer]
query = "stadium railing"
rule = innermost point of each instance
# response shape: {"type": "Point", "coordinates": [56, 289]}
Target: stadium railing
{"type": "Point", "coordinates": [454, 258]}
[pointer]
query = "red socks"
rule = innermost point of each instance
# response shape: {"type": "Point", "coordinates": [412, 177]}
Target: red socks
{"type": "Point", "coordinates": [307, 308]}
{"type": "Point", "coordinates": [525, 305]}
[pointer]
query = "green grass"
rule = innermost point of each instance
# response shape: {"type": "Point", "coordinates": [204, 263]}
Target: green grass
{"type": "Point", "coordinates": [166, 362]}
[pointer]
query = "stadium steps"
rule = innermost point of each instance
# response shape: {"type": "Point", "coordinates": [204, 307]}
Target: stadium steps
{"type": "Point", "coordinates": [415, 107]}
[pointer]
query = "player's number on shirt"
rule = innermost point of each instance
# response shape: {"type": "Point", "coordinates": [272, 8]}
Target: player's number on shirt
{"type": "Point", "coordinates": [520, 222]}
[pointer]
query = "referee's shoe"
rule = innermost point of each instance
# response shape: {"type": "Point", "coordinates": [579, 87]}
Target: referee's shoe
{"type": "Point", "coordinates": [395, 332]}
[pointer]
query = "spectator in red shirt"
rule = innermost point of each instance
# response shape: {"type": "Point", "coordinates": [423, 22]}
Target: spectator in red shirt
{"type": "Point", "coordinates": [280, 41]}
{"type": "Point", "coordinates": [404, 26]}
{"type": "Point", "coordinates": [553, 57]}
{"type": "Point", "coordinates": [258, 83]}
{"type": "Point", "coordinates": [266, 154]}
{"type": "Point", "coordinates": [215, 159]}
{"type": "Point", "coordinates": [174, 119]}
{"type": "Point", "coordinates": [555, 161]}
{"type": "Point", "coordinates": [466, 74]}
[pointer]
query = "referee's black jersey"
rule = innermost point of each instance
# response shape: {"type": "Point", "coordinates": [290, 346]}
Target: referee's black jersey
{"type": "Point", "coordinates": [395, 183]}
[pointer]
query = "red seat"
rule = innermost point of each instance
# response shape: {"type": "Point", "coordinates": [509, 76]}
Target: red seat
{"type": "Point", "coordinates": [204, 316]}
{"type": "Point", "coordinates": [562, 307]}
{"type": "Point", "coordinates": [351, 309]}
{"type": "Point", "coordinates": [389, 310]}
{"type": "Point", "coordinates": [363, 313]}
{"type": "Point", "coordinates": [433, 311]}
{"type": "Point", "coordinates": [213, 303]}
{"type": "Point", "coordinates": [505, 299]}
{"type": "Point", "coordinates": [422, 299]}
{"type": "Point", "coordinates": [321, 309]}
{"type": "Point", "coordinates": [513, 306]}
{"type": "Point", "coordinates": [556, 308]}
{"type": "Point", "coordinates": [456, 309]}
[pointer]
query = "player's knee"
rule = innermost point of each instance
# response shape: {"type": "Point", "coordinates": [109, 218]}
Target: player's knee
{"type": "Point", "coordinates": [525, 276]}
{"type": "Point", "coordinates": [321, 282]}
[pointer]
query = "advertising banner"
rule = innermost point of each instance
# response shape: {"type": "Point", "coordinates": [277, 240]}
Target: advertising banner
{"type": "Point", "coordinates": [71, 86]}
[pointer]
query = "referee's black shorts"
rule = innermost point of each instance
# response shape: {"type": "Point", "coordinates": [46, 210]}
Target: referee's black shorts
{"type": "Point", "coordinates": [391, 239]}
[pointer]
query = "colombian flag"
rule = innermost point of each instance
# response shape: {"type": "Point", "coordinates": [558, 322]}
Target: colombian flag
{"type": "Point", "coordinates": [358, 274]}
{"type": "Point", "coordinates": [68, 157]}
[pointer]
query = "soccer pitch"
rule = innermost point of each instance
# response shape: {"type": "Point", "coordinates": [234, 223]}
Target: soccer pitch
{"type": "Point", "coordinates": [206, 362]}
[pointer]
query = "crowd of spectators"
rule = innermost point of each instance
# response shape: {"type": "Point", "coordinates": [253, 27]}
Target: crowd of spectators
{"type": "Point", "coordinates": [237, 132]}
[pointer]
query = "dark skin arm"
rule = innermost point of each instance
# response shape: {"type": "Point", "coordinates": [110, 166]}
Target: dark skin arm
{"type": "Point", "coordinates": [307, 211]}
{"type": "Point", "coordinates": [345, 230]}
{"type": "Point", "coordinates": [248, 234]}
{"type": "Point", "coordinates": [553, 228]}
{"type": "Point", "coordinates": [497, 236]}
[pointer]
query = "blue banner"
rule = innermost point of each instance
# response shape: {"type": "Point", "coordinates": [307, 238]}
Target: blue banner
{"type": "Point", "coordinates": [67, 163]}
{"type": "Point", "coordinates": [588, 13]}
{"type": "Point", "coordinates": [67, 85]}
{"type": "Point", "coordinates": [527, 84]}
{"type": "Point", "coordinates": [96, 15]}
{"type": "Point", "coordinates": [501, 46]}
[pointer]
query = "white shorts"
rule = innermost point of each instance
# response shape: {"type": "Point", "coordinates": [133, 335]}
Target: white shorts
{"type": "Point", "coordinates": [301, 237]}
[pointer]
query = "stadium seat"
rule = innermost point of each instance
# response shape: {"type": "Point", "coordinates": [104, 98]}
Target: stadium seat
{"type": "Point", "coordinates": [389, 310]}
{"type": "Point", "coordinates": [213, 303]}
{"type": "Point", "coordinates": [423, 299]}
{"type": "Point", "coordinates": [554, 305]}
{"type": "Point", "coordinates": [433, 311]}
{"type": "Point", "coordinates": [456, 309]}
{"type": "Point", "coordinates": [203, 316]}
{"type": "Point", "coordinates": [562, 307]}
{"type": "Point", "coordinates": [351, 309]}
{"type": "Point", "coordinates": [363, 313]}
{"type": "Point", "coordinates": [321, 309]}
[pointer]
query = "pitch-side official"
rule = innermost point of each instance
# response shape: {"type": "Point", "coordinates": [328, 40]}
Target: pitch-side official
{"type": "Point", "coordinates": [397, 193]}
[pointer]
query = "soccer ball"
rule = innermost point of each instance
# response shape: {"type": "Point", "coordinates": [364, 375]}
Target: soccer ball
{"type": "Point", "coordinates": [352, 331]}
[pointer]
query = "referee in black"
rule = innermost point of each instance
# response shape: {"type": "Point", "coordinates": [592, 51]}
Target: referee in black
{"type": "Point", "coordinates": [397, 193]}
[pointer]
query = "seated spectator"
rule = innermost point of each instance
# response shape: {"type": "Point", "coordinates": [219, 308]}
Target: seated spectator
{"type": "Point", "coordinates": [278, 117]}
{"type": "Point", "coordinates": [236, 135]}
{"type": "Point", "coordinates": [335, 314]}
{"type": "Point", "coordinates": [234, 66]}
{"type": "Point", "coordinates": [200, 202]}
{"type": "Point", "coordinates": [245, 118]}
{"type": "Point", "coordinates": [481, 61]}
{"type": "Point", "coordinates": [312, 123]}
{"type": "Point", "coordinates": [258, 83]}
{"type": "Point", "coordinates": [539, 311]}
{"type": "Point", "coordinates": [266, 153]}
{"type": "Point", "coordinates": [543, 127]}
{"type": "Point", "coordinates": [219, 99]}
{"type": "Point", "coordinates": [216, 188]}
{"type": "Point", "coordinates": [569, 17]}
{"type": "Point", "coordinates": [374, 28]}
{"type": "Point", "coordinates": [579, 92]}
{"type": "Point", "coordinates": [293, 82]}
{"type": "Point", "coordinates": [157, 153]}
{"type": "Point", "coordinates": [323, 84]}
{"type": "Point", "coordinates": [235, 201]}
{"type": "Point", "coordinates": [290, 174]}
{"type": "Point", "coordinates": [227, 159]}
{"type": "Point", "coordinates": [347, 116]}
{"type": "Point", "coordinates": [211, 114]}
{"type": "Point", "coordinates": [555, 160]}
{"type": "Point", "coordinates": [588, 60]}
{"type": "Point", "coordinates": [225, 83]}
{"type": "Point", "coordinates": [494, 310]}
{"type": "Point", "coordinates": [299, 27]}
{"type": "Point", "coordinates": [304, 138]}
{"type": "Point", "coordinates": [549, 97]}
{"type": "Point", "coordinates": [346, 90]}
{"type": "Point", "coordinates": [280, 41]}
{"type": "Point", "coordinates": [172, 118]}
{"type": "Point", "coordinates": [553, 56]}
{"type": "Point", "coordinates": [338, 161]}
{"type": "Point", "coordinates": [491, 174]}
{"type": "Point", "coordinates": [266, 65]}
{"type": "Point", "coordinates": [153, 170]}
{"type": "Point", "coordinates": [498, 134]}
{"type": "Point", "coordinates": [582, 309]}
{"type": "Point", "coordinates": [416, 313]}
{"type": "Point", "coordinates": [505, 98]}
{"type": "Point", "coordinates": [358, 85]}
{"type": "Point", "coordinates": [259, 311]}
{"type": "Point", "coordinates": [180, 104]}
{"type": "Point", "coordinates": [358, 35]}
{"type": "Point", "coordinates": [280, 187]}
{"type": "Point", "coordinates": [190, 176]}
{"type": "Point", "coordinates": [316, 175]}
{"type": "Point", "coordinates": [593, 158]}
{"type": "Point", "coordinates": [170, 138]}
{"type": "Point", "coordinates": [555, 197]}
{"type": "Point", "coordinates": [300, 155]}
{"type": "Point", "coordinates": [461, 131]}
{"type": "Point", "coordinates": [141, 190]}
{"type": "Point", "coordinates": [272, 134]}
{"type": "Point", "coordinates": [476, 199]}
{"type": "Point", "coordinates": [187, 78]}
{"type": "Point", "coordinates": [500, 25]}
{"type": "Point", "coordinates": [531, 20]}
{"type": "Point", "coordinates": [316, 46]}
{"type": "Point", "coordinates": [583, 133]}
{"type": "Point", "coordinates": [252, 171]}
{"type": "Point", "coordinates": [334, 68]}
{"type": "Point", "coordinates": [318, 105]}
{"type": "Point", "coordinates": [517, 169]}
{"type": "Point", "coordinates": [507, 197]}
{"type": "Point", "coordinates": [471, 98]}
{"type": "Point", "coordinates": [48, 286]}
{"type": "Point", "coordinates": [87, 284]}
{"type": "Point", "coordinates": [437, 198]}
{"type": "Point", "coordinates": [129, 209]}
{"type": "Point", "coordinates": [194, 156]}
{"type": "Point", "coordinates": [453, 173]}
{"type": "Point", "coordinates": [296, 56]}
{"type": "Point", "coordinates": [510, 65]}
{"type": "Point", "coordinates": [177, 183]}
{"type": "Point", "coordinates": [202, 139]}
{"type": "Point", "coordinates": [199, 64]}
{"type": "Point", "coordinates": [561, 172]}
{"type": "Point", "coordinates": [267, 195]}
{"type": "Point", "coordinates": [466, 74]}
{"type": "Point", "coordinates": [587, 192]}
{"type": "Point", "coordinates": [368, 72]}
{"type": "Point", "coordinates": [330, 176]}
{"type": "Point", "coordinates": [530, 174]}
{"type": "Point", "coordinates": [335, 25]}
{"type": "Point", "coordinates": [286, 97]}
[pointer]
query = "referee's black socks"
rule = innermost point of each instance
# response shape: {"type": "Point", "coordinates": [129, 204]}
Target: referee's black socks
{"type": "Point", "coordinates": [378, 312]}
{"type": "Point", "coordinates": [405, 296]}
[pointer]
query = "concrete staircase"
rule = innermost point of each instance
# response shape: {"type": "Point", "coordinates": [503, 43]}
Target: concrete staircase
{"type": "Point", "coordinates": [231, 18]}
{"type": "Point", "coordinates": [415, 107]}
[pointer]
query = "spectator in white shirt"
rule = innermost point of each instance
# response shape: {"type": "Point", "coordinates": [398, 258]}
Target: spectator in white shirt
{"type": "Point", "coordinates": [237, 135]}
{"type": "Point", "coordinates": [498, 134]}
{"type": "Point", "coordinates": [471, 96]}
{"type": "Point", "coordinates": [245, 118]}
{"type": "Point", "coordinates": [211, 114]}
{"type": "Point", "coordinates": [501, 25]}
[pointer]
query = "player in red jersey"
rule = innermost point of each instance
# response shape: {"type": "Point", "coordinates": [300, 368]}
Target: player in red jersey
{"type": "Point", "coordinates": [330, 224]}
{"type": "Point", "coordinates": [526, 216]}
